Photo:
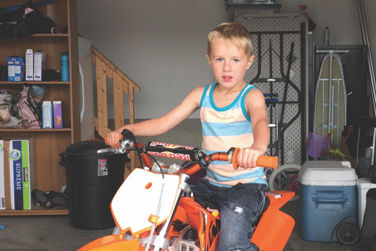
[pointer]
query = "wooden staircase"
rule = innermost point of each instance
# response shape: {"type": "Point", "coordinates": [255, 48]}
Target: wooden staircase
{"type": "Point", "coordinates": [121, 84]}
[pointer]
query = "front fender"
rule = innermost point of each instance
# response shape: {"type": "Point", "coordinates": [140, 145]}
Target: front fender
{"type": "Point", "coordinates": [112, 243]}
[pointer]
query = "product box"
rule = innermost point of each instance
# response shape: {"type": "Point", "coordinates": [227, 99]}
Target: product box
{"type": "Point", "coordinates": [58, 118]}
{"type": "Point", "coordinates": [47, 116]}
{"type": "Point", "coordinates": [327, 198]}
{"type": "Point", "coordinates": [26, 186]}
{"type": "Point", "coordinates": [2, 179]}
{"type": "Point", "coordinates": [15, 68]}
{"type": "Point", "coordinates": [15, 166]}
{"type": "Point", "coordinates": [39, 58]}
{"type": "Point", "coordinates": [29, 65]}
{"type": "Point", "coordinates": [19, 165]}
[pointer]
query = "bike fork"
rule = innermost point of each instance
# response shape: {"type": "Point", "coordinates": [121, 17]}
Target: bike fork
{"type": "Point", "coordinates": [160, 241]}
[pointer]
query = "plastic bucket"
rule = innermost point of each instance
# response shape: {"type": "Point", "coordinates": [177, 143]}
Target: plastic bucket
{"type": "Point", "coordinates": [316, 145]}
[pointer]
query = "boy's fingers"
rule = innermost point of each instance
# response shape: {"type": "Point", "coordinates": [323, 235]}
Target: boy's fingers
{"type": "Point", "coordinates": [112, 139]}
{"type": "Point", "coordinates": [247, 158]}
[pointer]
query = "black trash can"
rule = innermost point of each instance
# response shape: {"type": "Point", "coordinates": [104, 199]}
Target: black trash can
{"type": "Point", "coordinates": [92, 181]}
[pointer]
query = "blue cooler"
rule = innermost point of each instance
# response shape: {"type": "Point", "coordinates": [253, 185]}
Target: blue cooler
{"type": "Point", "coordinates": [328, 198]}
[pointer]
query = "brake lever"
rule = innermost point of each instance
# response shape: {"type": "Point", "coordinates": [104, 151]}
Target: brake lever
{"type": "Point", "coordinates": [110, 150]}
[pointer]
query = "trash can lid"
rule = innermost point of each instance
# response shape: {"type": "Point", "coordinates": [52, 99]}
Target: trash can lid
{"type": "Point", "coordinates": [88, 147]}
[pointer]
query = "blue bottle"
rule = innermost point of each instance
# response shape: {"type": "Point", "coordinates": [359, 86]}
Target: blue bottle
{"type": "Point", "coordinates": [64, 67]}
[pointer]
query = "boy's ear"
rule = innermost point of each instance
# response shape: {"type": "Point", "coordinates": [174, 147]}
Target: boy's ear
{"type": "Point", "coordinates": [250, 61]}
{"type": "Point", "coordinates": [208, 58]}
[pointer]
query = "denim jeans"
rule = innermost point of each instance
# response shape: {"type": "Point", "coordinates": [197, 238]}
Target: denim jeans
{"type": "Point", "coordinates": [239, 206]}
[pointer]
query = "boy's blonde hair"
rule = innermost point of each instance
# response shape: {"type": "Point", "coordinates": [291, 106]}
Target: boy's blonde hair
{"type": "Point", "coordinates": [234, 32]}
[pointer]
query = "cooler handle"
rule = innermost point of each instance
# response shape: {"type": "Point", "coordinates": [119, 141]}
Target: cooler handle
{"type": "Point", "coordinates": [329, 200]}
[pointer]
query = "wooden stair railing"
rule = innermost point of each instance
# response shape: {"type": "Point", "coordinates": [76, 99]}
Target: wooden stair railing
{"type": "Point", "coordinates": [121, 83]}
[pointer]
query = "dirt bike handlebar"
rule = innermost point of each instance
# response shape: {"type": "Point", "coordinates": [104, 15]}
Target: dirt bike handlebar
{"type": "Point", "coordinates": [187, 153]}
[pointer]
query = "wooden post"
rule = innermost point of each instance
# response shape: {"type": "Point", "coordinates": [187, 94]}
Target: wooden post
{"type": "Point", "coordinates": [102, 123]}
{"type": "Point", "coordinates": [131, 104]}
{"type": "Point", "coordinates": [118, 101]}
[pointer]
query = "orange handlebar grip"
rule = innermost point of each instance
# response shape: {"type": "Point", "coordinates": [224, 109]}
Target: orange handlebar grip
{"type": "Point", "coordinates": [267, 161]}
{"type": "Point", "coordinates": [192, 170]}
{"type": "Point", "coordinates": [234, 158]}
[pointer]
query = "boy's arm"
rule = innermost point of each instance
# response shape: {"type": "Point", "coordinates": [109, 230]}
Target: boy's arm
{"type": "Point", "coordinates": [255, 105]}
{"type": "Point", "coordinates": [157, 126]}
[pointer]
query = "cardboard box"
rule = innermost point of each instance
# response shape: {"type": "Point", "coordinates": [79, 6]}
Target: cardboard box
{"type": "Point", "coordinates": [58, 118]}
{"type": "Point", "coordinates": [15, 68]}
{"type": "Point", "coordinates": [18, 173]}
{"type": "Point", "coordinates": [29, 65]}
{"type": "Point", "coordinates": [39, 57]}
{"type": "Point", "coordinates": [15, 165]}
{"type": "Point", "coordinates": [19, 170]}
{"type": "Point", "coordinates": [47, 116]}
{"type": "Point", "coordinates": [26, 184]}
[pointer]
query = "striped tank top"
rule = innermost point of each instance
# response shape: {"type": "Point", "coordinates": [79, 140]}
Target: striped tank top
{"type": "Point", "coordinates": [223, 128]}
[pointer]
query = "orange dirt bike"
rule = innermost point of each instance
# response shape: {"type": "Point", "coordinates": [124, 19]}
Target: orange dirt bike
{"type": "Point", "coordinates": [154, 209]}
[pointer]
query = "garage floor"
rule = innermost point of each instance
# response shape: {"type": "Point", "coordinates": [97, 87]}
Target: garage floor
{"type": "Point", "coordinates": [43, 233]}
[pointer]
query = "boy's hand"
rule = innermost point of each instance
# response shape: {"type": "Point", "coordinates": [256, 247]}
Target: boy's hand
{"type": "Point", "coordinates": [113, 138]}
{"type": "Point", "coordinates": [248, 156]}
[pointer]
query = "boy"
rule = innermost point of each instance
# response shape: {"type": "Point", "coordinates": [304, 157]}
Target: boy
{"type": "Point", "coordinates": [233, 114]}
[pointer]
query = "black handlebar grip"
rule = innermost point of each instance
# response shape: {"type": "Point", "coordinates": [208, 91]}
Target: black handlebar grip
{"type": "Point", "coordinates": [127, 134]}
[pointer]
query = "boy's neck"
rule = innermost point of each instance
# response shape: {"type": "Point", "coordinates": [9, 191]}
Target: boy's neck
{"type": "Point", "coordinates": [236, 88]}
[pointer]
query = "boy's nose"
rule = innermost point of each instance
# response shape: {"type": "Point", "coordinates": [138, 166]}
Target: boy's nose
{"type": "Point", "coordinates": [227, 66]}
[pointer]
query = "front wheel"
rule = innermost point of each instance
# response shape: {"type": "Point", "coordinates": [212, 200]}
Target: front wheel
{"type": "Point", "coordinates": [285, 178]}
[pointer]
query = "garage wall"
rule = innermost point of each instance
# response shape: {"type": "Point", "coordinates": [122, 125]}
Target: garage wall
{"type": "Point", "coordinates": [161, 44]}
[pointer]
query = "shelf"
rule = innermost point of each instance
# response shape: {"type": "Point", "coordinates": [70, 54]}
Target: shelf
{"type": "Point", "coordinates": [34, 82]}
{"type": "Point", "coordinates": [47, 144]}
{"type": "Point", "coordinates": [49, 35]}
{"type": "Point", "coordinates": [36, 130]}
{"type": "Point", "coordinates": [34, 211]}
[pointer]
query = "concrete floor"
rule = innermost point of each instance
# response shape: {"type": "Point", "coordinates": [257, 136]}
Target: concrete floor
{"type": "Point", "coordinates": [42, 233]}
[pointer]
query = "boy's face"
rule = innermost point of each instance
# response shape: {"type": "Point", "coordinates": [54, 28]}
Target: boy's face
{"type": "Point", "coordinates": [229, 62]}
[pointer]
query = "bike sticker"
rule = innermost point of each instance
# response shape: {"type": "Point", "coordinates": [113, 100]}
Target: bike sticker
{"type": "Point", "coordinates": [173, 151]}
{"type": "Point", "coordinates": [102, 167]}
{"type": "Point", "coordinates": [171, 155]}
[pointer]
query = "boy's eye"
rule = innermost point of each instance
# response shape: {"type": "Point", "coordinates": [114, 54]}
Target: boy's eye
{"type": "Point", "coordinates": [219, 59]}
{"type": "Point", "coordinates": [236, 60]}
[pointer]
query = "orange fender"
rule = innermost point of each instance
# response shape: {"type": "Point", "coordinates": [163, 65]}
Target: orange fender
{"type": "Point", "coordinates": [275, 227]}
{"type": "Point", "coordinates": [273, 230]}
{"type": "Point", "coordinates": [112, 243]}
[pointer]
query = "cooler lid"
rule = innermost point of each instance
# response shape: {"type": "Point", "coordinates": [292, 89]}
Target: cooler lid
{"type": "Point", "coordinates": [327, 173]}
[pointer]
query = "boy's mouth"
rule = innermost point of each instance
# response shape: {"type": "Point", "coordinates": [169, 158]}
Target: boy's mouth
{"type": "Point", "coordinates": [226, 78]}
